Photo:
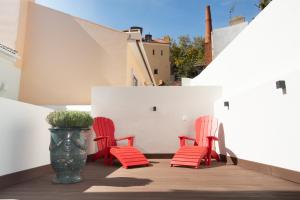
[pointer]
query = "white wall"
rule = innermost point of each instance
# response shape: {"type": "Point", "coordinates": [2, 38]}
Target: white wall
{"type": "Point", "coordinates": [266, 48]}
{"type": "Point", "coordinates": [156, 132]}
{"type": "Point", "coordinates": [221, 37]}
{"type": "Point", "coordinates": [9, 77]}
{"type": "Point", "coordinates": [25, 137]}
{"type": "Point", "coordinates": [84, 108]}
{"type": "Point", "coordinates": [262, 124]}
{"type": "Point", "coordinates": [186, 81]}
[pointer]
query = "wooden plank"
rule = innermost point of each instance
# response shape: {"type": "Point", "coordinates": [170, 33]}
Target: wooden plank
{"type": "Point", "coordinates": [159, 182]}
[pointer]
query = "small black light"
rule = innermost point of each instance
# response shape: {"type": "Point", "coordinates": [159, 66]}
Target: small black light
{"type": "Point", "coordinates": [154, 108]}
{"type": "Point", "coordinates": [281, 85]}
{"type": "Point", "coordinates": [226, 104]}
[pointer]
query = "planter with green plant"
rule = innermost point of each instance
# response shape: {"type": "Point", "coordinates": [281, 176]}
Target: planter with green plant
{"type": "Point", "coordinates": [68, 144]}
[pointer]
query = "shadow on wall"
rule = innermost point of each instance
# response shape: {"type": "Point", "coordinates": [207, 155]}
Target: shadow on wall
{"type": "Point", "coordinates": [222, 147]}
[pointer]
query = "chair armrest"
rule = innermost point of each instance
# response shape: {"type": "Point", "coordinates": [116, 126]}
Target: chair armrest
{"type": "Point", "coordinates": [101, 138]}
{"type": "Point", "coordinates": [212, 138]}
{"type": "Point", "coordinates": [124, 138]}
{"type": "Point", "coordinates": [184, 138]}
{"type": "Point", "coordinates": [129, 138]}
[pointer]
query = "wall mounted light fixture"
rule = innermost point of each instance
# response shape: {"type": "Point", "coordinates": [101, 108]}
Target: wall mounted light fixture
{"type": "Point", "coordinates": [281, 85]}
{"type": "Point", "coordinates": [154, 108]}
{"type": "Point", "coordinates": [226, 104]}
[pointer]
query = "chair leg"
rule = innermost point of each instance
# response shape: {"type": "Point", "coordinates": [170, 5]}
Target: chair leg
{"type": "Point", "coordinates": [111, 159]}
{"type": "Point", "coordinates": [96, 156]}
{"type": "Point", "coordinates": [208, 157]}
{"type": "Point", "coordinates": [205, 160]}
{"type": "Point", "coordinates": [106, 158]}
{"type": "Point", "coordinates": [215, 155]}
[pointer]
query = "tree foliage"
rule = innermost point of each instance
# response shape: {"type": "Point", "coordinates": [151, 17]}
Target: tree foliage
{"type": "Point", "coordinates": [185, 54]}
{"type": "Point", "coordinates": [263, 3]}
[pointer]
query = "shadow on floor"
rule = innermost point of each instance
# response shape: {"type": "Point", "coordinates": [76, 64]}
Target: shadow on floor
{"type": "Point", "coordinates": [124, 182]}
{"type": "Point", "coordinates": [95, 173]}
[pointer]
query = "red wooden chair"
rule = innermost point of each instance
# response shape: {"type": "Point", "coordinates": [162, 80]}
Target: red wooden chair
{"type": "Point", "coordinates": [107, 145]}
{"type": "Point", "coordinates": [188, 155]}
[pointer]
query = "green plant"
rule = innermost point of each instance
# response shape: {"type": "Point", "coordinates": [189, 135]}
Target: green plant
{"type": "Point", "coordinates": [69, 119]}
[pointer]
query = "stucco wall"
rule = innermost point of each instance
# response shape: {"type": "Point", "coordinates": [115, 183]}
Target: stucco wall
{"type": "Point", "coordinates": [25, 137]}
{"type": "Point", "coordinates": [136, 66]}
{"type": "Point", "coordinates": [223, 36]}
{"type": "Point", "coordinates": [156, 132]}
{"type": "Point", "coordinates": [158, 61]}
{"type": "Point", "coordinates": [9, 77]}
{"type": "Point", "coordinates": [65, 56]}
{"type": "Point", "coordinates": [264, 50]}
{"type": "Point", "coordinates": [261, 124]}
{"type": "Point", "coordinates": [13, 23]}
{"type": "Point", "coordinates": [9, 18]}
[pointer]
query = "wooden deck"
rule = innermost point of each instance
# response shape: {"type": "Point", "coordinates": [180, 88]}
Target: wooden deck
{"type": "Point", "coordinates": [159, 181]}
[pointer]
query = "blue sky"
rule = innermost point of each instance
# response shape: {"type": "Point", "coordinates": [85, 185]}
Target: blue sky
{"type": "Point", "coordinates": [158, 17]}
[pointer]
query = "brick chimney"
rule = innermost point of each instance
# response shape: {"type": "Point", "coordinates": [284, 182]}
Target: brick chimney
{"type": "Point", "coordinates": [208, 30]}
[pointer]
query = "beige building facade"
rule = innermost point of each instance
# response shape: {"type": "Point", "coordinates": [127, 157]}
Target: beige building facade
{"type": "Point", "coordinates": [13, 24]}
{"type": "Point", "coordinates": [158, 53]}
{"type": "Point", "coordinates": [13, 17]}
{"type": "Point", "coordinates": [62, 57]}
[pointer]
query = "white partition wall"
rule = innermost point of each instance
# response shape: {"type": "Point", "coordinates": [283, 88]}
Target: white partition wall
{"type": "Point", "coordinates": [25, 138]}
{"type": "Point", "coordinates": [9, 77]}
{"type": "Point", "coordinates": [156, 131]}
{"type": "Point", "coordinates": [262, 124]}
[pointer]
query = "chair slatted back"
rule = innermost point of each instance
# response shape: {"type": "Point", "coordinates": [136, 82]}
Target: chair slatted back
{"type": "Point", "coordinates": [104, 127]}
{"type": "Point", "coordinates": [205, 126]}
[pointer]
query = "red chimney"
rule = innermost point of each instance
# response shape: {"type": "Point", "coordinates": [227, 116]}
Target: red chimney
{"type": "Point", "coordinates": [208, 30]}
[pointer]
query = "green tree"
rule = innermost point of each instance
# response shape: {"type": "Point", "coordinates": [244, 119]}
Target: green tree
{"type": "Point", "coordinates": [263, 3]}
{"type": "Point", "coordinates": [185, 54]}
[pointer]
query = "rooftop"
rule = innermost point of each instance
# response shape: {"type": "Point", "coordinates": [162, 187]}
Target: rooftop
{"type": "Point", "coordinates": [159, 41]}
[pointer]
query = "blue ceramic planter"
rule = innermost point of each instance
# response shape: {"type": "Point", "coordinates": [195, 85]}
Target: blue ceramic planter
{"type": "Point", "coordinates": [68, 154]}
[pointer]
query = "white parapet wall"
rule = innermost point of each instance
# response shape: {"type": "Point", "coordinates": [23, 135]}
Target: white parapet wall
{"type": "Point", "coordinates": [9, 77]}
{"type": "Point", "coordinates": [131, 109]}
{"type": "Point", "coordinates": [24, 135]}
{"type": "Point", "coordinates": [261, 124]}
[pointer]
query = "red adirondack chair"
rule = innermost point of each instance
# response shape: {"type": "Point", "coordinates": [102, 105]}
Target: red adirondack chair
{"type": "Point", "coordinates": [188, 155]}
{"type": "Point", "coordinates": [107, 145]}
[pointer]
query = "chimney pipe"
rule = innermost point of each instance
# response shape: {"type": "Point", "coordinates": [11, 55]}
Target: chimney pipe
{"type": "Point", "coordinates": [148, 37]}
{"type": "Point", "coordinates": [208, 30]}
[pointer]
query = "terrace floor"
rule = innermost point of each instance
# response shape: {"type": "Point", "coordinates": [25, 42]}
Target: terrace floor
{"type": "Point", "coordinates": [159, 181]}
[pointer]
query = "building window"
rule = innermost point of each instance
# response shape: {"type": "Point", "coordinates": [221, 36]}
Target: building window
{"type": "Point", "coordinates": [153, 52]}
{"type": "Point", "coordinates": [135, 81]}
{"type": "Point", "coordinates": [155, 71]}
{"type": "Point", "coordinates": [161, 52]}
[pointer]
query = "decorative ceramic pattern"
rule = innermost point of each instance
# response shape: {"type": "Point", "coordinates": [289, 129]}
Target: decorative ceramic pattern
{"type": "Point", "coordinates": [68, 154]}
